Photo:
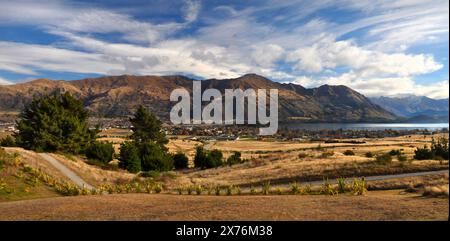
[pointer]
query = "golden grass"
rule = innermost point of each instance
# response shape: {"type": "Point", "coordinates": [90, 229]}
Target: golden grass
{"type": "Point", "coordinates": [377, 205]}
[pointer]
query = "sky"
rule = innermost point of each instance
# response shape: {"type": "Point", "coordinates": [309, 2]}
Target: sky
{"type": "Point", "coordinates": [377, 47]}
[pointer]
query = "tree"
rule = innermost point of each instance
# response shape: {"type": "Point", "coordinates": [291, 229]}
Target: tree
{"type": "Point", "coordinates": [130, 157]}
{"type": "Point", "coordinates": [100, 151]}
{"type": "Point", "coordinates": [55, 123]}
{"type": "Point", "coordinates": [234, 159]}
{"type": "Point", "coordinates": [349, 153]}
{"type": "Point", "coordinates": [214, 159]}
{"type": "Point", "coordinates": [180, 161]}
{"type": "Point", "coordinates": [155, 158]}
{"type": "Point", "coordinates": [200, 157]}
{"type": "Point", "coordinates": [147, 127]}
{"type": "Point", "coordinates": [207, 159]}
{"type": "Point", "coordinates": [440, 148]}
{"type": "Point", "coordinates": [8, 141]}
{"type": "Point", "coordinates": [424, 153]}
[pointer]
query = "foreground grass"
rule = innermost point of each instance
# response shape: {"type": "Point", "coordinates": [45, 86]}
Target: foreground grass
{"type": "Point", "coordinates": [377, 205]}
{"type": "Point", "coordinates": [18, 183]}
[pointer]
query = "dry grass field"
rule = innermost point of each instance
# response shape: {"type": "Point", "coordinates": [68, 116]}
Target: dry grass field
{"type": "Point", "coordinates": [377, 205]}
{"type": "Point", "coordinates": [284, 162]}
{"type": "Point", "coordinates": [280, 162]}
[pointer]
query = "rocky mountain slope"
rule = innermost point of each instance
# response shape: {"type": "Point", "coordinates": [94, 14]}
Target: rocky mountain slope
{"type": "Point", "coordinates": [416, 108]}
{"type": "Point", "coordinates": [115, 96]}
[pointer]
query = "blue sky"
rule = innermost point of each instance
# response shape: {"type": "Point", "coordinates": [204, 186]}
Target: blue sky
{"type": "Point", "coordinates": [375, 47]}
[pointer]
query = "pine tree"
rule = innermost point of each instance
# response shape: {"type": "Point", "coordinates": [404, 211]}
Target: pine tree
{"type": "Point", "coordinates": [55, 123]}
{"type": "Point", "coordinates": [130, 157]}
{"type": "Point", "coordinates": [147, 127]}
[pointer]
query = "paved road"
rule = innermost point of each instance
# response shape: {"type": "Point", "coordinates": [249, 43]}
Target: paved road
{"type": "Point", "coordinates": [66, 171]}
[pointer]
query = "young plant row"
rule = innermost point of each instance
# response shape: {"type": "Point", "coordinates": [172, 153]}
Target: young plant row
{"type": "Point", "coordinates": [356, 187]}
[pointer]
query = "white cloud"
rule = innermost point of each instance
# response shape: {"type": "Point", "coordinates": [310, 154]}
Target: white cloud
{"type": "Point", "coordinates": [25, 58]}
{"type": "Point", "coordinates": [56, 16]}
{"type": "Point", "coordinates": [379, 86]}
{"type": "Point", "coordinates": [5, 82]}
{"type": "Point", "coordinates": [328, 54]}
{"type": "Point", "coordinates": [192, 10]}
{"type": "Point", "coordinates": [231, 41]}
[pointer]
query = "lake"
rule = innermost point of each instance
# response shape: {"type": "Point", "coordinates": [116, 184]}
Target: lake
{"type": "Point", "coordinates": [366, 126]}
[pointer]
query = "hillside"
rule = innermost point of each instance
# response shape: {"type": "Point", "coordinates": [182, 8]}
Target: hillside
{"type": "Point", "coordinates": [115, 96]}
{"type": "Point", "coordinates": [416, 108]}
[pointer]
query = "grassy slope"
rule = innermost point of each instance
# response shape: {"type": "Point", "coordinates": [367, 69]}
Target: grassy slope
{"type": "Point", "coordinates": [15, 184]}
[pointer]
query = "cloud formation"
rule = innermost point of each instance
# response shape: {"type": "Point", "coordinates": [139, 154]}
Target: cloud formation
{"type": "Point", "coordinates": [382, 51]}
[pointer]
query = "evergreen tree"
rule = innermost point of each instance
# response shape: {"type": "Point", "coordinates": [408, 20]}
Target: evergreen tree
{"type": "Point", "coordinates": [55, 123]}
{"type": "Point", "coordinates": [180, 161]}
{"type": "Point", "coordinates": [100, 151]}
{"type": "Point", "coordinates": [200, 157]}
{"type": "Point", "coordinates": [147, 127]}
{"type": "Point", "coordinates": [154, 158]}
{"type": "Point", "coordinates": [130, 157]}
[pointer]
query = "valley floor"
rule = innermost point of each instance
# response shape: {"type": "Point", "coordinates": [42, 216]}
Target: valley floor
{"type": "Point", "coordinates": [376, 205]}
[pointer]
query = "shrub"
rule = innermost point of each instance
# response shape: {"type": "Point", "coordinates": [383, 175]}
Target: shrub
{"type": "Point", "coordinates": [327, 188]}
{"type": "Point", "coordinates": [234, 159]}
{"type": "Point", "coordinates": [238, 190]}
{"type": "Point", "coordinates": [358, 186]}
{"type": "Point", "coordinates": [302, 155]}
{"type": "Point", "coordinates": [100, 151]}
{"type": "Point", "coordinates": [200, 157]}
{"type": "Point", "coordinates": [180, 161]}
{"type": "Point", "coordinates": [266, 188]}
{"type": "Point", "coordinates": [190, 189]}
{"type": "Point", "coordinates": [327, 154]}
{"type": "Point", "coordinates": [198, 189]}
{"type": "Point", "coordinates": [214, 159]}
{"type": "Point", "coordinates": [152, 174]}
{"type": "Point", "coordinates": [158, 188]}
{"type": "Point", "coordinates": [180, 190]}
{"type": "Point", "coordinates": [349, 153]}
{"type": "Point", "coordinates": [217, 190]}
{"type": "Point", "coordinates": [154, 158]}
{"type": "Point", "coordinates": [230, 190]}
{"type": "Point", "coordinates": [295, 188]}
{"type": "Point", "coordinates": [130, 157]}
{"type": "Point", "coordinates": [384, 159]}
{"type": "Point", "coordinates": [252, 190]}
{"type": "Point", "coordinates": [423, 153]}
{"type": "Point", "coordinates": [8, 141]}
{"type": "Point", "coordinates": [395, 152]}
{"type": "Point", "coordinates": [402, 158]}
{"type": "Point", "coordinates": [440, 148]}
{"type": "Point", "coordinates": [369, 154]}
{"type": "Point", "coordinates": [341, 185]}
{"type": "Point", "coordinates": [204, 159]}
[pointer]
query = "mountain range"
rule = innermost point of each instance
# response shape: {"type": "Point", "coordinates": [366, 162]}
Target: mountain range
{"type": "Point", "coordinates": [415, 108]}
{"type": "Point", "coordinates": [118, 96]}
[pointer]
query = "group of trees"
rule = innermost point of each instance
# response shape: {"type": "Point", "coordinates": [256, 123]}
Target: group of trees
{"type": "Point", "coordinates": [210, 159]}
{"type": "Point", "coordinates": [438, 150]}
{"type": "Point", "coordinates": [146, 150]}
{"type": "Point", "coordinates": [59, 123]}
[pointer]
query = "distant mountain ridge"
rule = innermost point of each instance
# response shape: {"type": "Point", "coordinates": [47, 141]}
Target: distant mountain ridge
{"type": "Point", "coordinates": [416, 108]}
{"type": "Point", "coordinates": [114, 96]}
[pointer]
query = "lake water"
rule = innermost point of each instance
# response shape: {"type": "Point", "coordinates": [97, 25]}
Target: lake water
{"type": "Point", "coordinates": [366, 126]}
